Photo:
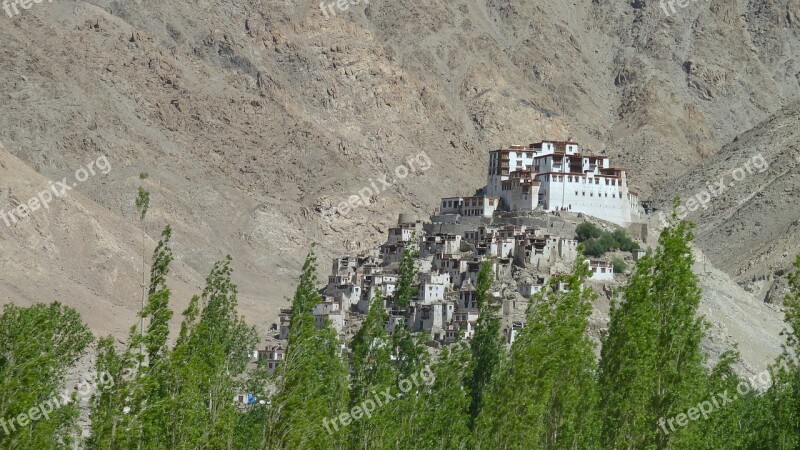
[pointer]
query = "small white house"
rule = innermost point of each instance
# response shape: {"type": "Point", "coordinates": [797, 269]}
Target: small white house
{"type": "Point", "coordinates": [400, 234]}
{"type": "Point", "coordinates": [470, 206]}
{"type": "Point", "coordinates": [528, 288]}
{"type": "Point", "coordinates": [430, 292]}
{"type": "Point", "coordinates": [329, 311]}
{"type": "Point", "coordinates": [601, 270]}
{"type": "Point", "coordinates": [273, 356]}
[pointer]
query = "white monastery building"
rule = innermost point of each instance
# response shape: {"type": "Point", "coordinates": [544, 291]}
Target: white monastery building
{"type": "Point", "coordinates": [553, 176]}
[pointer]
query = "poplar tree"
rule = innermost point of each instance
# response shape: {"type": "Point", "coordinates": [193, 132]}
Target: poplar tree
{"type": "Point", "coordinates": [142, 206]}
{"type": "Point", "coordinates": [409, 348]}
{"type": "Point", "coordinates": [372, 372]}
{"type": "Point", "coordinates": [312, 380]}
{"type": "Point", "coordinates": [183, 398]}
{"type": "Point", "coordinates": [545, 395]}
{"type": "Point", "coordinates": [487, 345]}
{"type": "Point", "coordinates": [213, 354]}
{"type": "Point", "coordinates": [442, 412]}
{"type": "Point", "coordinates": [157, 309]}
{"type": "Point", "coordinates": [652, 366]}
{"type": "Point", "coordinates": [38, 344]}
{"type": "Point", "coordinates": [780, 413]}
{"type": "Point", "coordinates": [135, 383]}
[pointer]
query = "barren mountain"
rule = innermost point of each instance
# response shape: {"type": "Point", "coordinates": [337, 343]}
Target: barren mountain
{"type": "Point", "coordinates": [749, 224]}
{"type": "Point", "coordinates": [252, 118]}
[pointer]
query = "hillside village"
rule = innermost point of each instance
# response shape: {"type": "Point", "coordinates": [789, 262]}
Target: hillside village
{"type": "Point", "coordinates": [523, 222]}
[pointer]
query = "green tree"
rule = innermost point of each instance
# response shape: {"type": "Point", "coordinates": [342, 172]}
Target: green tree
{"type": "Point", "coordinates": [487, 345]}
{"type": "Point", "coordinates": [207, 363]}
{"type": "Point", "coordinates": [734, 425]}
{"type": "Point", "coordinates": [312, 380]}
{"type": "Point", "coordinates": [142, 206]}
{"type": "Point", "coordinates": [409, 348]}
{"type": "Point", "coordinates": [619, 265]}
{"type": "Point", "coordinates": [111, 426]}
{"type": "Point", "coordinates": [407, 273]}
{"type": "Point", "coordinates": [780, 413]}
{"type": "Point", "coordinates": [594, 247]}
{"type": "Point", "coordinates": [135, 382]}
{"type": "Point", "coordinates": [545, 395]}
{"type": "Point", "coordinates": [372, 371]}
{"type": "Point", "coordinates": [586, 231]}
{"type": "Point", "coordinates": [157, 309]}
{"type": "Point", "coordinates": [442, 411]}
{"type": "Point", "coordinates": [38, 344]}
{"type": "Point", "coordinates": [182, 398]}
{"type": "Point", "coordinates": [598, 242]}
{"type": "Point", "coordinates": [652, 366]}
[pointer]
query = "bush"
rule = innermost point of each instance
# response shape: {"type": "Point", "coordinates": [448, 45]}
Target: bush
{"type": "Point", "coordinates": [625, 242]}
{"type": "Point", "coordinates": [619, 265]}
{"type": "Point", "coordinates": [598, 242]}
{"type": "Point", "coordinates": [593, 247]}
{"type": "Point", "coordinates": [586, 231]}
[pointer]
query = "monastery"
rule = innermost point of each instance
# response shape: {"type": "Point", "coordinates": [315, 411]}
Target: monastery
{"type": "Point", "coordinates": [464, 232]}
{"type": "Point", "coordinates": [551, 176]}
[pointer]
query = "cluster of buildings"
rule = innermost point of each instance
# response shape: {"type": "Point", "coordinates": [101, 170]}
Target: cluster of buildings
{"type": "Point", "coordinates": [445, 304]}
{"type": "Point", "coordinates": [548, 176]}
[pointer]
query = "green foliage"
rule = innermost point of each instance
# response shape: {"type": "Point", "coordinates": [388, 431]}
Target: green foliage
{"type": "Point", "coordinates": [545, 395]}
{"type": "Point", "coordinates": [442, 413]}
{"type": "Point", "coordinates": [618, 264]}
{"type": "Point", "coordinates": [182, 397]}
{"type": "Point", "coordinates": [372, 371]}
{"type": "Point", "coordinates": [548, 392]}
{"type": "Point", "coordinates": [598, 242]}
{"type": "Point", "coordinates": [312, 380]}
{"type": "Point", "coordinates": [487, 345]}
{"type": "Point", "coordinates": [142, 202]}
{"type": "Point", "coordinates": [651, 362]}
{"type": "Point", "coordinates": [405, 289]}
{"type": "Point", "coordinates": [157, 309]}
{"type": "Point", "coordinates": [780, 413]}
{"type": "Point", "coordinates": [410, 349]}
{"type": "Point", "coordinates": [586, 231]}
{"type": "Point", "coordinates": [594, 247]}
{"type": "Point", "coordinates": [37, 346]}
{"type": "Point", "coordinates": [733, 425]}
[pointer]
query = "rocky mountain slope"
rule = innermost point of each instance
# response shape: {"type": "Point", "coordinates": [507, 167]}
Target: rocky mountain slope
{"type": "Point", "coordinates": [251, 117]}
{"type": "Point", "coordinates": [750, 224]}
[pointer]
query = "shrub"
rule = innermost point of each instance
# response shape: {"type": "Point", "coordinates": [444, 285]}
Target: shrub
{"type": "Point", "coordinates": [619, 265]}
{"type": "Point", "coordinates": [598, 242]}
{"type": "Point", "coordinates": [593, 247]}
{"type": "Point", "coordinates": [586, 231]}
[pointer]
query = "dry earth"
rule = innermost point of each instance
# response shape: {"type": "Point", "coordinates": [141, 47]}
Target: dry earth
{"type": "Point", "coordinates": [252, 116]}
